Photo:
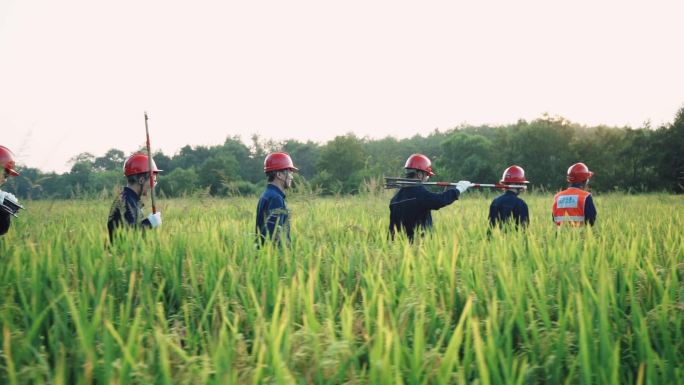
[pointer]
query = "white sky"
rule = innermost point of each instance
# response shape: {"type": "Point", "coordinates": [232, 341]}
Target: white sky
{"type": "Point", "coordinates": [76, 76]}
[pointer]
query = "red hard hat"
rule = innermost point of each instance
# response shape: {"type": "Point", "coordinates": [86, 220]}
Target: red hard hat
{"type": "Point", "coordinates": [578, 173]}
{"type": "Point", "coordinates": [277, 161]}
{"type": "Point", "coordinates": [7, 160]}
{"type": "Point", "coordinates": [514, 174]}
{"type": "Point", "coordinates": [138, 164]}
{"type": "Point", "coordinates": [419, 162]}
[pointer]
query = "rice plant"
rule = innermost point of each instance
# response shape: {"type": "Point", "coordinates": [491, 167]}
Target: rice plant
{"type": "Point", "coordinates": [196, 302]}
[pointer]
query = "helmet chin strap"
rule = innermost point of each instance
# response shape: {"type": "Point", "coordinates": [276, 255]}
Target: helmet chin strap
{"type": "Point", "coordinates": [424, 176]}
{"type": "Point", "coordinates": [283, 180]}
{"type": "Point", "coordinates": [141, 185]}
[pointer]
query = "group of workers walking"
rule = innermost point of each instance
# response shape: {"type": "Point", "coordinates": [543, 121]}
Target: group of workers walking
{"type": "Point", "coordinates": [573, 206]}
{"type": "Point", "coordinates": [410, 208]}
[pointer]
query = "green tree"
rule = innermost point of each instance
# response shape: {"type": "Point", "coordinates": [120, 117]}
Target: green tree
{"type": "Point", "coordinates": [190, 157]}
{"type": "Point", "coordinates": [217, 171]}
{"type": "Point", "coordinates": [542, 148]}
{"type": "Point", "coordinates": [32, 184]}
{"type": "Point", "coordinates": [179, 182]}
{"type": "Point", "coordinates": [636, 159]}
{"type": "Point", "coordinates": [600, 148]}
{"type": "Point", "coordinates": [79, 176]}
{"type": "Point", "coordinates": [112, 160]}
{"type": "Point", "coordinates": [103, 182]}
{"type": "Point", "coordinates": [304, 156]}
{"type": "Point", "coordinates": [387, 156]}
{"type": "Point", "coordinates": [162, 161]}
{"type": "Point", "coordinates": [342, 162]}
{"type": "Point", "coordinates": [670, 144]}
{"type": "Point", "coordinates": [251, 168]}
{"type": "Point", "coordinates": [467, 157]}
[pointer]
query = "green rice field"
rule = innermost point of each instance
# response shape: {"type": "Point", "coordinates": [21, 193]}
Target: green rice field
{"type": "Point", "coordinates": [194, 302]}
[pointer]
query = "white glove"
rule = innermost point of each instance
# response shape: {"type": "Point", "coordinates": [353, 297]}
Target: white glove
{"type": "Point", "coordinates": [10, 197]}
{"type": "Point", "coordinates": [7, 196]}
{"type": "Point", "coordinates": [462, 185]}
{"type": "Point", "coordinates": [155, 219]}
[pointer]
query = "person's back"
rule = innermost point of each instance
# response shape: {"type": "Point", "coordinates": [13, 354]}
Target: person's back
{"type": "Point", "coordinates": [410, 208]}
{"type": "Point", "coordinates": [126, 212]}
{"type": "Point", "coordinates": [508, 206]}
{"type": "Point", "coordinates": [574, 206]}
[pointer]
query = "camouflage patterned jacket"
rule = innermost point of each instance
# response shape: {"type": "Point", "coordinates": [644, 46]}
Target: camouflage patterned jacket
{"type": "Point", "coordinates": [126, 211]}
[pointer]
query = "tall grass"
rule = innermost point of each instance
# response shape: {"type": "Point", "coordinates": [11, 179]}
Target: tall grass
{"type": "Point", "coordinates": [196, 302]}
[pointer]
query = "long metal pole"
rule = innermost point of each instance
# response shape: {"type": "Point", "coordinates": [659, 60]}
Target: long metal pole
{"type": "Point", "coordinates": [402, 182]}
{"type": "Point", "coordinates": [149, 166]}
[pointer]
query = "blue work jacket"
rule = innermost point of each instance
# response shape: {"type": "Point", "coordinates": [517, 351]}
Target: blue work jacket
{"type": "Point", "coordinates": [411, 207]}
{"type": "Point", "coordinates": [4, 222]}
{"type": "Point", "coordinates": [272, 216]}
{"type": "Point", "coordinates": [506, 207]}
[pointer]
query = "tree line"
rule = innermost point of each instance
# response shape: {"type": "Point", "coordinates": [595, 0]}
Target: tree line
{"type": "Point", "coordinates": [623, 158]}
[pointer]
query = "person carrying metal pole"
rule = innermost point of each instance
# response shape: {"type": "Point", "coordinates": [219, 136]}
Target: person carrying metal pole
{"type": "Point", "coordinates": [272, 215]}
{"type": "Point", "coordinates": [508, 208]}
{"type": "Point", "coordinates": [411, 206]}
{"type": "Point", "coordinates": [574, 206]}
{"type": "Point", "coordinates": [126, 211]}
{"type": "Point", "coordinates": [9, 205]}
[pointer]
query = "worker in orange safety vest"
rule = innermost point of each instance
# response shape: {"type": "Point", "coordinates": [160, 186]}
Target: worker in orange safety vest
{"type": "Point", "coordinates": [574, 205]}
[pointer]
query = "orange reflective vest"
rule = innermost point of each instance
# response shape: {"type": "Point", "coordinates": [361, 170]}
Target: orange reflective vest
{"type": "Point", "coordinates": [568, 206]}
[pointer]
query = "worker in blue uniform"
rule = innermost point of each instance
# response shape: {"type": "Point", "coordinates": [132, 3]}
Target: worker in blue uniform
{"type": "Point", "coordinates": [272, 215]}
{"type": "Point", "coordinates": [508, 208]}
{"type": "Point", "coordinates": [126, 211]}
{"type": "Point", "coordinates": [411, 207]}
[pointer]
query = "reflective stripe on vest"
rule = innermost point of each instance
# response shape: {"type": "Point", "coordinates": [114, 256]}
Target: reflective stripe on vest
{"type": "Point", "coordinates": [568, 206]}
{"type": "Point", "coordinates": [568, 218]}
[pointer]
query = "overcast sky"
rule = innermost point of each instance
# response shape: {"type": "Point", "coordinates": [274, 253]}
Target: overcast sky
{"type": "Point", "coordinates": [76, 76]}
